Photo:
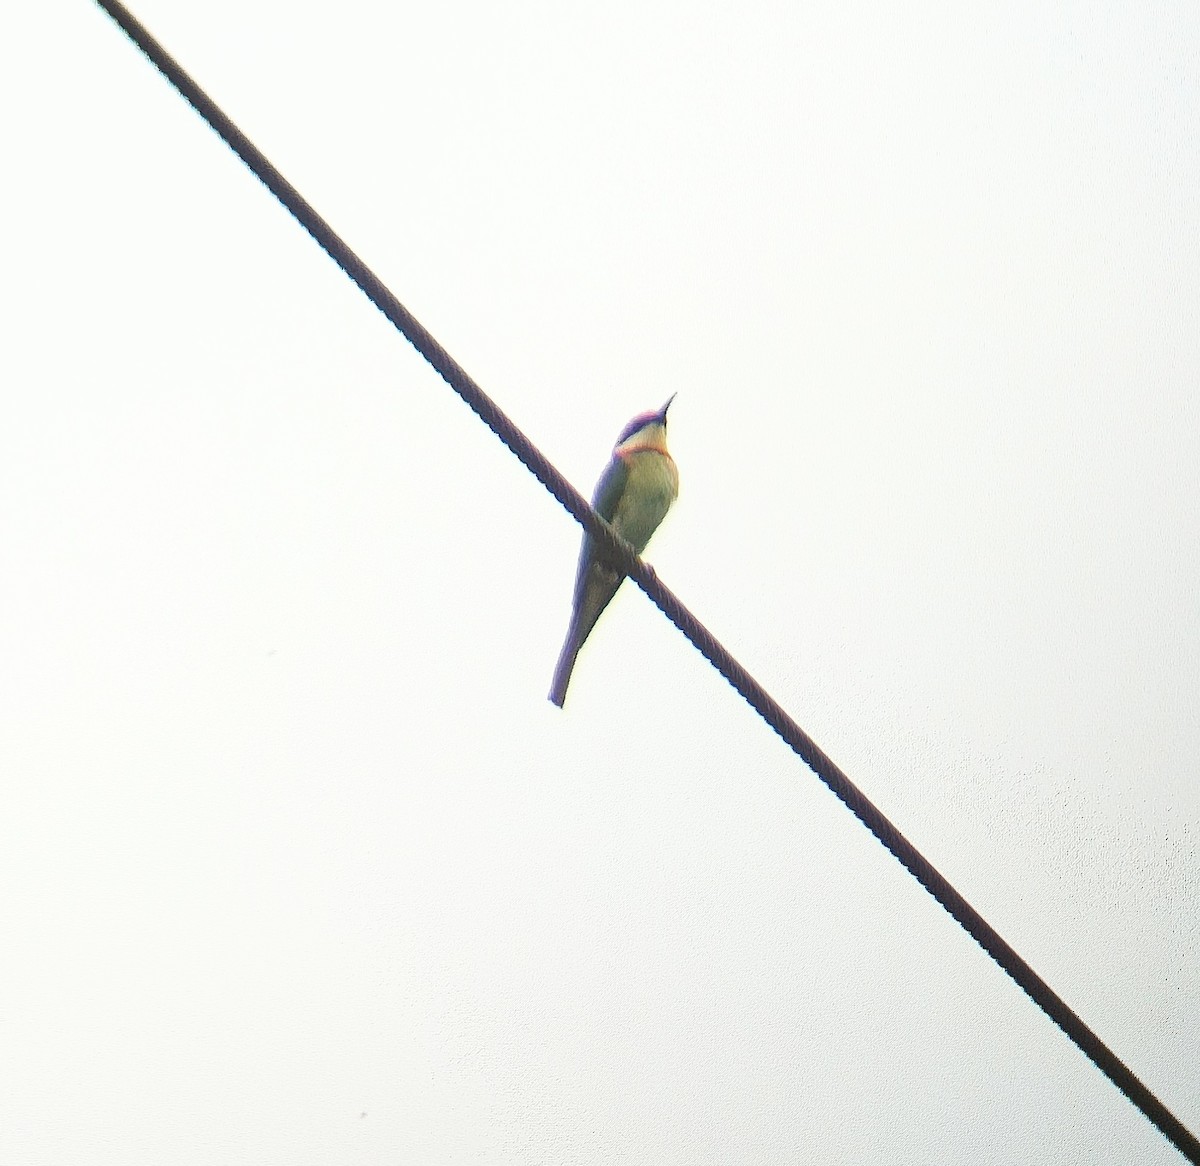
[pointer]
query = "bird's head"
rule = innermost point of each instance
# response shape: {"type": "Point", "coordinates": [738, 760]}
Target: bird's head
{"type": "Point", "coordinates": [646, 431]}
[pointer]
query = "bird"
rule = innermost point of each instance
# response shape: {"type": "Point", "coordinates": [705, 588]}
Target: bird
{"type": "Point", "coordinates": [633, 495]}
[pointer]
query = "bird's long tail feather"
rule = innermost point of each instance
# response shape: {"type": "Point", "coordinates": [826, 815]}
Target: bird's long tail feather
{"type": "Point", "coordinates": [599, 585]}
{"type": "Point", "coordinates": [562, 671]}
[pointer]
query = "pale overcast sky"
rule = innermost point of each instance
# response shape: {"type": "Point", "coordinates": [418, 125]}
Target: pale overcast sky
{"type": "Point", "coordinates": [297, 863]}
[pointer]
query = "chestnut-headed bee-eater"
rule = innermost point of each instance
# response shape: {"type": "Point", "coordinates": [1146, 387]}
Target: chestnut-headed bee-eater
{"type": "Point", "coordinates": [632, 496]}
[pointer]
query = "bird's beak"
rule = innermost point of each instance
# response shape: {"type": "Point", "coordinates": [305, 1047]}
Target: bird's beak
{"type": "Point", "coordinates": [662, 413]}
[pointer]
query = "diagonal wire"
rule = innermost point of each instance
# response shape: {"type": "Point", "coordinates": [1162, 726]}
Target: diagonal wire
{"type": "Point", "coordinates": [622, 554]}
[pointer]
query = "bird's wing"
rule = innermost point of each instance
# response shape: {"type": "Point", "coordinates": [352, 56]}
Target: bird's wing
{"type": "Point", "coordinates": [610, 488]}
{"type": "Point", "coordinates": [604, 501]}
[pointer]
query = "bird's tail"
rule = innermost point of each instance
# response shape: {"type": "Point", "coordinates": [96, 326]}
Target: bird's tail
{"type": "Point", "coordinates": [566, 662]}
{"type": "Point", "coordinates": [597, 586]}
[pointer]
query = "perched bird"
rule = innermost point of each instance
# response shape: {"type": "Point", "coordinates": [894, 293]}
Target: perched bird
{"type": "Point", "coordinates": [632, 496]}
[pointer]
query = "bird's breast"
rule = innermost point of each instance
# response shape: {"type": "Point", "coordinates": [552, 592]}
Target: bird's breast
{"type": "Point", "coordinates": [652, 486]}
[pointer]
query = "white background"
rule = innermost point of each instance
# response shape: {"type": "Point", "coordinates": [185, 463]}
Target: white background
{"type": "Point", "coordinates": [297, 863]}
